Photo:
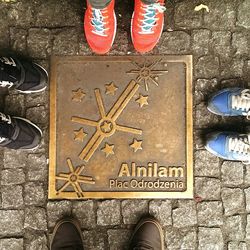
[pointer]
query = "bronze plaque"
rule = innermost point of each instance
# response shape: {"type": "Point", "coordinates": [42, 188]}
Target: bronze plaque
{"type": "Point", "coordinates": [121, 127]}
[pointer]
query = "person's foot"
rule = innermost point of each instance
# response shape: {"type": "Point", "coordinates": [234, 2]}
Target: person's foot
{"type": "Point", "coordinates": [18, 133]}
{"type": "Point", "coordinates": [229, 146]}
{"type": "Point", "coordinates": [24, 76]}
{"type": "Point", "coordinates": [100, 27]}
{"type": "Point", "coordinates": [231, 102]}
{"type": "Point", "coordinates": [147, 25]}
{"type": "Point", "coordinates": [147, 235]}
{"type": "Point", "coordinates": [67, 235]}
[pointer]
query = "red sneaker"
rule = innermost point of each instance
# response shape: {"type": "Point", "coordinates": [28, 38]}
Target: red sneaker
{"type": "Point", "coordinates": [147, 25]}
{"type": "Point", "coordinates": [100, 27]}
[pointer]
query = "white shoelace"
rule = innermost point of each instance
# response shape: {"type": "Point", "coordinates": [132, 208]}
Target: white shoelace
{"type": "Point", "coordinates": [98, 23]}
{"type": "Point", "coordinates": [242, 102]}
{"type": "Point", "coordinates": [5, 118]}
{"type": "Point", "coordinates": [149, 17]}
{"type": "Point", "coordinates": [241, 146]}
{"type": "Point", "coordinates": [4, 84]}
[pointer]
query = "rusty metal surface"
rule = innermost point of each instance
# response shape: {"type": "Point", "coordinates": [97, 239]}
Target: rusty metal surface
{"type": "Point", "coordinates": [121, 127]}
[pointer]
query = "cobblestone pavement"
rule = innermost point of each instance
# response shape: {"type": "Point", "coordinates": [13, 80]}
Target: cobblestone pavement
{"type": "Point", "coordinates": [218, 217]}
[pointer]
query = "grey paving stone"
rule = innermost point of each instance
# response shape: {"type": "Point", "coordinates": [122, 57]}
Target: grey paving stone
{"type": "Point", "coordinates": [108, 213]}
{"type": "Point", "coordinates": [84, 211]}
{"type": "Point", "coordinates": [247, 195]}
{"type": "Point", "coordinates": [234, 228]}
{"type": "Point", "coordinates": [35, 218]}
{"type": "Point", "coordinates": [121, 44]}
{"type": "Point", "coordinates": [233, 201]}
{"type": "Point", "coordinates": [65, 42]}
{"type": "Point", "coordinates": [37, 168]}
{"type": "Point", "coordinates": [12, 177]}
{"type": "Point", "coordinates": [162, 211]}
{"type": "Point", "coordinates": [94, 241]}
{"type": "Point", "coordinates": [185, 214]}
{"type": "Point", "coordinates": [237, 245]}
{"type": "Point", "coordinates": [51, 14]}
{"type": "Point", "coordinates": [41, 98]}
{"type": "Point", "coordinates": [37, 114]}
{"type": "Point", "coordinates": [232, 173]}
{"type": "Point", "coordinates": [18, 38]}
{"type": "Point", "coordinates": [206, 164]}
{"type": "Point", "coordinates": [247, 175]}
{"type": "Point", "coordinates": [14, 105]}
{"type": "Point", "coordinates": [185, 16]}
{"type": "Point", "coordinates": [14, 159]}
{"type": "Point", "coordinates": [232, 68]}
{"type": "Point", "coordinates": [39, 42]}
{"type": "Point", "coordinates": [207, 67]}
{"type": "Point", "coordinates": [132, 210]}
{"type": "Point", "coordinates": [210, 214]}
{"type": "Point", "coordinates": [11, 222]}
{"type": "Point", "coordinates": [56, 210]}
{"type": "Point", "coordinates": [34, 242]}
{"type": "Point", "coordinates": [174, 42]}
{"type": "Point", "coordinates": [222, 14]}
{"type": "Point", "coordinates": [221, 43]}
{"type": "Point", "coordinates": [203, 117]}
{"type": "Point", "coordinates": [248, 228]}
{"type": "Point", "coordinates": [11, 244]}
{"type": "Point", "coordinates": [181, 238]}
{"type": "Point", "coordinates": [204, 88]}
{"type": "Point", "coordinates": [240, 42]}
{"type": "Point", "coordinates": [118, 238]}
{"type": "Point", "coordinates": [207, 188]}
{"type": "Point", "coordinates": [12, 196]}
{"type": "Point", "coordinates": [200, 44]}
{"type": "Point", "coordinates": [34, 194]}
{"type": "Point", "coordinates": [243, 17]}
{"type": "Point", "coordinates": [210, 239]}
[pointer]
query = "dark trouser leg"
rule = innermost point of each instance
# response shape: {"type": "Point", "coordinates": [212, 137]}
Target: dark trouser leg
{"type": "Point", "coordinates": [148, 1]}
{"type": "Point", "coordinates": [99, 4]}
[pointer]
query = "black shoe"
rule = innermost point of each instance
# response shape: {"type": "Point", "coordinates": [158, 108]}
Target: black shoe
{"type": "Point", "coordinates": [18, 133]}
{"type": "Point", "coordinates": [148, 235]}
{"type": "Point", "coordinates": [24, 76]}
{"type": "Point", "coordinates": [67, 235]}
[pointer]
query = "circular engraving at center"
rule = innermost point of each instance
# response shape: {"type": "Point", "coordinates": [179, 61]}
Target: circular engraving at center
{"type": "Point", "coordinates": [145, 72]}
{"type": "Point", "coordinates": [73, 178]}
{"type": "Point", "coordinates": [107, 127]}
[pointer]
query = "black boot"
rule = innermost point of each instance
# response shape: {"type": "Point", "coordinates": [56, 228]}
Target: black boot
{"type": "Point", "coordinates": [67, 235]}
{"type": "Point", "coordinates": [148, 235]}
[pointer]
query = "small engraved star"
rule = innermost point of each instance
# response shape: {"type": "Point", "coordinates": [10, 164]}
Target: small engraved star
{"type": "Point", "coordinates": [110, 89]}
{"type": "Point", "coordinates": [79, 135]}
{"type": "Point", "coordinates": [108, 149]}
{"type": "Point", "coordinates": [136, 145]}
{"type": "Point", "coordinates": [78, 95]}
{"type": "Point", "coordinates": [106, 127]}
{"type": "Point", "coordinates": [142, 100]}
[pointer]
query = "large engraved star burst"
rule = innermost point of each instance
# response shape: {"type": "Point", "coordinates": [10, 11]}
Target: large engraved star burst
{"type": "Point", "coordinates": [147, 74]}
{"type": "Point", "coordinates": [106, 126]}
{"type": "Point", "coordinates": [74, 178]}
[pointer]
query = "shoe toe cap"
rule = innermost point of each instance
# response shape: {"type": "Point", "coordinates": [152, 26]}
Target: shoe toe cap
{"type": "Point", "coordinates": [216, 144]}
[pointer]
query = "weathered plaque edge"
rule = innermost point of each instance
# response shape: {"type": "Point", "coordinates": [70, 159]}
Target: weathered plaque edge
{"type": "Point", "coordinates": [52, 194]}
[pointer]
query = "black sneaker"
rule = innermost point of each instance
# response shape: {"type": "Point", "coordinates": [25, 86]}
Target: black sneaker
{"type": "Point", "coordinates": [24, 76]}
{"type": "Point", "coordinates": [67, 235]}
{"type": "Point", "coordinates": [147, 235]}
{"type": "Point", "coordinates": [18, 133]}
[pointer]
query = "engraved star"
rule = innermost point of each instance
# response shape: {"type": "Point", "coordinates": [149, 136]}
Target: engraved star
{"type": "Point", "coordinates": [78, 95]}
{"type": "Point", "coordinates": [142, 100]}
{"type": "Point", "coordinates": [136, 145]}
{"type": "Point", "coordinates": [110, 88]}
{"type": "Point", "coordinates": [106, 127]}
{"type": "Point", "coordinates": [79, 134]}
{"type": "Point", "coordinates": [108, 149]}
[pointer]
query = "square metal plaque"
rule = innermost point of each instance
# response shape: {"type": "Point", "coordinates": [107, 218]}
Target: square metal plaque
{"type": "Point", "coordinates": [121, 127]}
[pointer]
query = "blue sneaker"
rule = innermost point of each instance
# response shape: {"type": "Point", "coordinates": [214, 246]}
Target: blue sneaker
{"type": "Point", "coordinates": [231, 102]}
{"type": "Point", "coordinates": [230, 146]}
